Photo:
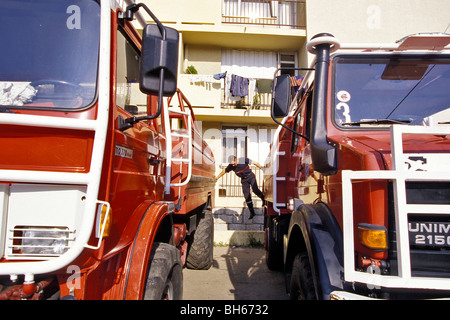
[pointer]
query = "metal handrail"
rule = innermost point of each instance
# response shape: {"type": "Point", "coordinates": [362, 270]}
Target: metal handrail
{"type": "Point", "coordinates": [188, 120]}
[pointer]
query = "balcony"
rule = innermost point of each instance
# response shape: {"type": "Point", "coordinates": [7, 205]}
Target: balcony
{"type": "Point", "coordinates": [289, 14]}
{"type": "Point", "coordinates": [260, 101]}
{"type": "Point", "coordinates": [210, 103]}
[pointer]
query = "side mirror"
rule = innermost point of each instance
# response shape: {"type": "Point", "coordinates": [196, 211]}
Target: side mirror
{"type": "Point", "coordinates": [281, 96]}
{"type": "Point", "coordinates": [159, 59]}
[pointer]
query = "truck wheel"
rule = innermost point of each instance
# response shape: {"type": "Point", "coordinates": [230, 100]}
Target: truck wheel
{"type": "Point", "coordinates": [302, 285]}
{"type": "Point", "coordinates": [164, 276]}
{"type": "Point", "coordinates": [201, 244]}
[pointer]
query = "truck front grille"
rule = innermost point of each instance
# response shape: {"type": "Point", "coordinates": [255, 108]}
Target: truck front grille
{"type": "Point", "coordinates": [427, 192]}
{"type": "Point", "coordinates": [429, 234]}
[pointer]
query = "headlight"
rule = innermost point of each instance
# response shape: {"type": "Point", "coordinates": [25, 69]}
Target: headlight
{"type": "Point", "coordinates": [44, 241]}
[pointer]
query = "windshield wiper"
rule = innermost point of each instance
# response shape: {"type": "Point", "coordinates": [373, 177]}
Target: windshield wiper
{"type": "Point", "coordinates": [5, 110]}
{"type": "Point", "coordinates": [376, 122]}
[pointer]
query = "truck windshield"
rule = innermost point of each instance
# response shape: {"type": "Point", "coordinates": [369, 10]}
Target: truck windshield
{"type": "Point", "coordinates": [49, 54]}
{"type": "Point", "coordinates": [382, 90]}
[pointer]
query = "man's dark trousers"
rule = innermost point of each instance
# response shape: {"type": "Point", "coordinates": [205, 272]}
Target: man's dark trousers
{"type": "Point", "coordinates": [247, 182]}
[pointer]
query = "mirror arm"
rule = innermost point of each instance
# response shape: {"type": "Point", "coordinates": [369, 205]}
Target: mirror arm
{"type": "Point", "coordinates": [133, 8]}
{"type": "Point", "coordinates": [290, 129]}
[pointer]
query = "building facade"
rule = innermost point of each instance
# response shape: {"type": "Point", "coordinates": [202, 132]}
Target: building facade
{"type": "Point", "coordinates": [222, 41]}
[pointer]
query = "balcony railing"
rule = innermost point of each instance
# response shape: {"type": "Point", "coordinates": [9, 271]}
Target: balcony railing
{"type": "Point", "coordinates": [282, 14]}
{"type": "Point", "coordinates": [260, 101]}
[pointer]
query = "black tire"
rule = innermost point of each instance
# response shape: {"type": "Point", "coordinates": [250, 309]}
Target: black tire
{"type": "Point", "coordinates": [165, 274]}
{"type": "Point", "coordinates": [302, 284]}
{"type": "Point", "coordinates": [201, 243]}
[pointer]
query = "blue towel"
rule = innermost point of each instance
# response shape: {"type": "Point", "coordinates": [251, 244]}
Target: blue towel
{"type": "Point", "coordinates": [219, 76]}
{"type": "Point", "coordinates": [239, 86]}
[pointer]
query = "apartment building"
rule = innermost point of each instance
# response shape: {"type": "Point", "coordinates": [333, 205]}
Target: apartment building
{"type": "Point", "coordinates": [251, 39]}
{"type": "Point", "coordinates": [221, 40]}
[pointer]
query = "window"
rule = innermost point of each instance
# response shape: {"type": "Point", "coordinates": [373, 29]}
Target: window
{"type": "Point", "coordinates": [49, 56]}
{"type": "Point", "coordinates": [128, 95]}
{"type": "Point", "coordinates": [287, 60]}
{"type": "Point", "coordinates": [379, 90]}
{"type": "Point", "coordinates": [297, 127]}
{"type": "Point", "coordinates": [234, 142]}
{"type": "Point", "coordinates": [302, 120]}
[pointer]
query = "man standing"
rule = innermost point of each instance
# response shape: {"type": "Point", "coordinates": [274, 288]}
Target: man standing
{"type": "Point", "coordinates": [242, 170]}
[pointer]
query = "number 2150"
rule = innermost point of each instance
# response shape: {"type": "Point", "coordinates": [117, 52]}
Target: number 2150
{"type": "Point", "coordinates": [432, 239]}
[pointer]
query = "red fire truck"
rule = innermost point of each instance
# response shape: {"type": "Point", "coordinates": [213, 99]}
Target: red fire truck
{"type": "Point", "coordinates": [99, 197]}
{"type": "Point", "coordinates": [358, 182]}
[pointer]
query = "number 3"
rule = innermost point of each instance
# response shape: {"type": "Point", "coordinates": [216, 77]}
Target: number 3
{"type": "Point", "coordinates": [346, 112]}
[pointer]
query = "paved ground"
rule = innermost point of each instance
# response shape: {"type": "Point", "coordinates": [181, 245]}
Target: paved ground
{"type": "Point", "coordinates": [237, 274]}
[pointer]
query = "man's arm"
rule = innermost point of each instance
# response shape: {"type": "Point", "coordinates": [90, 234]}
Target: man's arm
{"type": "Point", "coordinates": [220, 174]}
{"type": "Point", "coordinates": [257, 164]}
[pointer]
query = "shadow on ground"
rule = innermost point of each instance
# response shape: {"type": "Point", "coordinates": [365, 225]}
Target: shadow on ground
{"type": "Point", "coordinates": [237, 273]}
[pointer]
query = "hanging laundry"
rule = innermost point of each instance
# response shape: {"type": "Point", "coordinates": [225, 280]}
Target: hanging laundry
{"type": "Point", "coordinates": [228, 89]}
{"type": "Point", "coordinates": [296, 81]}
{"type": "Point", "coordinates": [239, 86]}
{"type": "Point", "coordinates": [201, 79]}
{"type": "Point", "coordinates": [219, 76]}
{"type": "Point", "coordinates": [251, 90]}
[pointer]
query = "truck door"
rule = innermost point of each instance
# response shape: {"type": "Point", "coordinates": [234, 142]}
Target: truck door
{"type": "Point", "coordinates": [138, 166]}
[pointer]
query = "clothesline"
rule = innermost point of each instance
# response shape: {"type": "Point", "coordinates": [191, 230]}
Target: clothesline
{"type": "Point", "coordinates": [195, 79]}
{"type": "Point", "coordinates": [237, 87]}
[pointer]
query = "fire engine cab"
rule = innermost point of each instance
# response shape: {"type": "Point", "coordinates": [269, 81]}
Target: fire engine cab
{"type": "Point", "coordinates": [99, 197]}
{"type": "Point", "coordinates": [358, 181]}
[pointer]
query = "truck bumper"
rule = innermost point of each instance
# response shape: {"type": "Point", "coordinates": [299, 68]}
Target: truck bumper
{"type": "Point", "coordinates": [344, 295]}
